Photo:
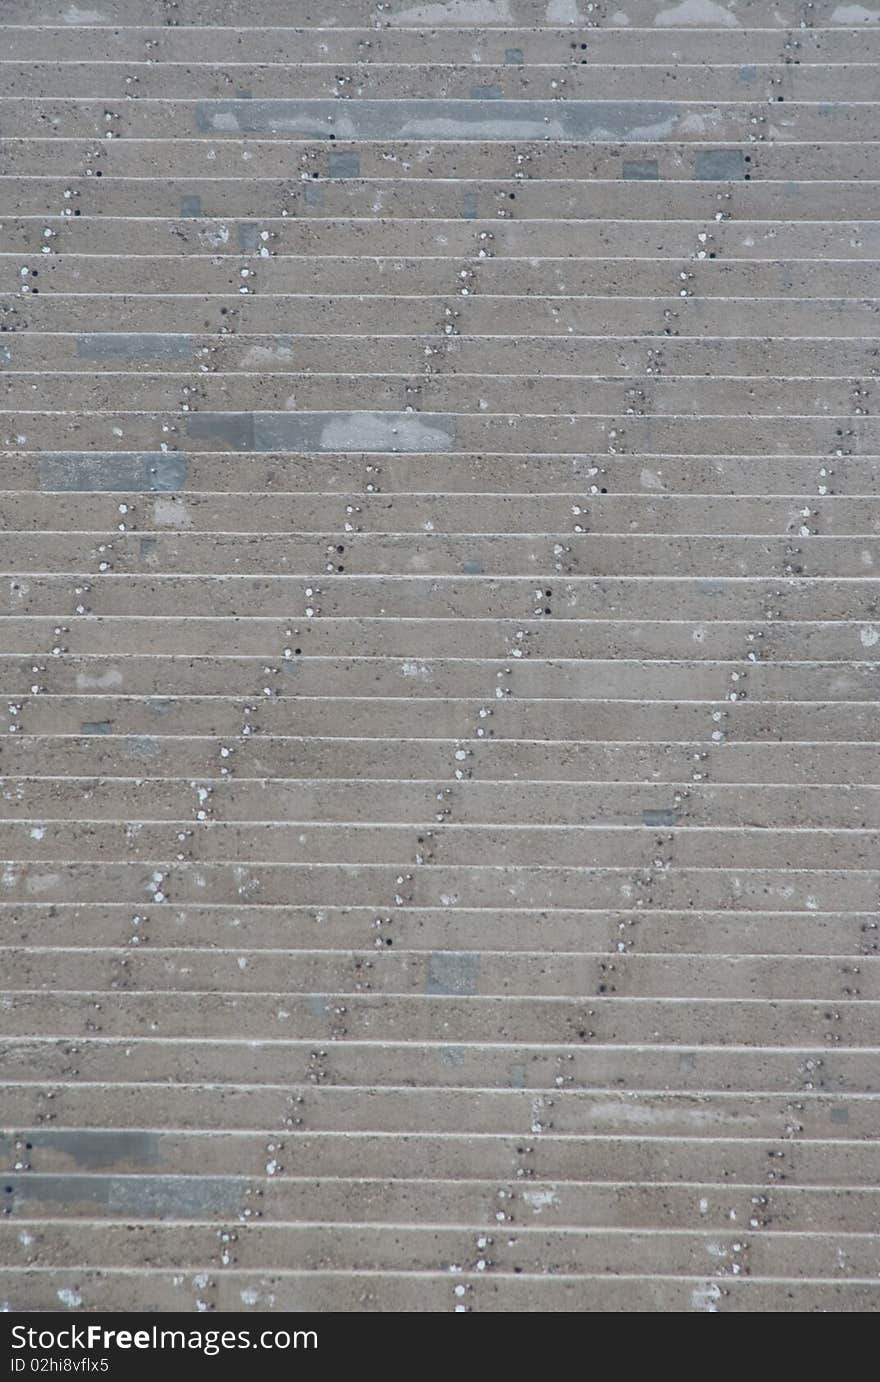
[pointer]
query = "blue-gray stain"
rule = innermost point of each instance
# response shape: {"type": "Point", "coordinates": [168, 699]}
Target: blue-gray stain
{"type": "Point", "coordinates": [486, 93]}
{"type": "Point", "coordinates": [514, 56]}
{"type": "Point", "coordinates": [452, 1055]}
{"type": "Point", "coordinates": [96, 727]}
{"type": "Point", "coordinates": [248, 236]}
{"type": "Point", "coordinates": [314, 194]}
{"type": "Point", "coordinates": [442, 119]}
{"type": "Point", "coordinates": [95, 1150]}
{"type": "Point", "coordinates": [452, 973]}
{"type": "Point", "coordinates": [720, 165]}
{"type": "Point", "coordinates": [344, 165]}
{"type": "Point", "coordinates": [176, 1197]}
{"type": "Point", "coordinates": [640, 169]}
{"type": "Point", "coordinates": [748, 72]}
{"type": "Point", "coordinates": [190, 206]}
{"type": "Point", "coordinates": [123, 472]}
{"type": "Point", "coordinates": [135, 1196]}
{"type": "Point", "coordinates": [665, 815]}
{"type": "Point", "coordinates": [141, 746]}
{"type": "Point", "coordinates": [230, 431]}
{"type": "Point", "coordinates": [122, 345]}
{"type": "Point", "coordinates": [308, 431]}
{"type": "Point", "coordinates": [470, 206]}
{"type": "Point", "coordinates": [472, 568]}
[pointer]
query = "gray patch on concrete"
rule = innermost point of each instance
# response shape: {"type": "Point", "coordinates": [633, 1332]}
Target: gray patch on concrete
{"type": "Point", "coordinates": [248, 236]}
{"type": "Point", "coordinates": [514, 56]}
{"type": "Point", "coordinates": [160, 705]}
{"type": "Point", "coordinates": [142, 746]}
{"type": "Point", "coordinates": [441, 119]}
{"type": "Point", "coordinates": [64, 1190]}
{"type": "Point", "coordinates": [486, 93]}
{"type": "Point", "coordinates": [314, 194]}
{"type": "Point", "coordinates": [452, 973]}
{"type": "Point", "coordinates": [840, 1115]}
{"type": "Point", "coordinates": [344, 166]}
{"type": "Point", "coordinates": [384, 432]}
{"type": "Point", "coordinates": [138, 1197]}
{"type": "Point", "coordinates": [175, 1197]}
{"type": "Point", "coordinates": [640, 169]}
{"type": "Point", "coordinates": [120, 345]}
{"type": "Point", "coordinates": [469, 206]}
{"type": "Point", "coordinates": [96, 727]}
{"type": "Point", "coordinates": [720, 165]}
{"type": "Point", "coordinates": [324, 431]}
{"type": "Point", "coordinates": [233, 431]}
{"type": "Point", "coordinates": [472, 568]}
{"type": "Point", "coordinates": [452, 1055]}
{"type": "Point", "coordinates": [191, 206]}
{"type": "Point", "coordinates": [114, 471]}
{"type": "Point", "coordinates": [93, 1150]}
{"type": "Point", "coordinates": [662, 816]}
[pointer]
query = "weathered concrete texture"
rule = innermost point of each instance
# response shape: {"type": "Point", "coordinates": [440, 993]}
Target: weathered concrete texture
{"type": "Point", "coordinates": [440, 527]}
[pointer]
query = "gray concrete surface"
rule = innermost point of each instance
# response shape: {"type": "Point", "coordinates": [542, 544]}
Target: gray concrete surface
{"type": "Point", "coordinates": [441, 536]}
